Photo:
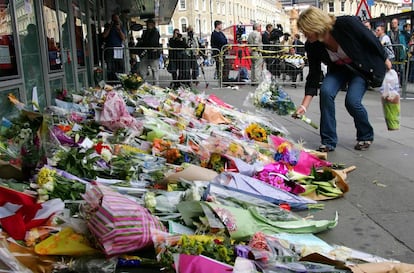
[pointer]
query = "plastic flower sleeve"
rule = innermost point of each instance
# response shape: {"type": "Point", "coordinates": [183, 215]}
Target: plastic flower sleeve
{"type": "Point", "coordinates": [8, 262]}
{"type": "Point", "coordinates": [270, 96]}
{"type": "Point", "coordinates": [118, 223]}
{"type": "Point", "coordinates": [115, 115]}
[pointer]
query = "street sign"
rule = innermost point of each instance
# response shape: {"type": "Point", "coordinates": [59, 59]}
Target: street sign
{"type": "Point", "coordinates": [363, 11]}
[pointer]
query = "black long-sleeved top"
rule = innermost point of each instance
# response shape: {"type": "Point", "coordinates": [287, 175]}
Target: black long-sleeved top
{"type": "Point", "coordinates": [360, 45]}
{"type": "Point", "coordinates": [218, 39]}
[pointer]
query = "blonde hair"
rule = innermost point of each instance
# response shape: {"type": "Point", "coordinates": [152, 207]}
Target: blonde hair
{"type": "Point", "coordinates": [314, 20]}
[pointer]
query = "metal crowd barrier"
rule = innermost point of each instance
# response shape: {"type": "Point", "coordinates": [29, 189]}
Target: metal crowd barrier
{"type": "Point", "coordinates": [234, 64]}
{"type": "Point", "coordinates": [402, 64]}
{"type": "Point", "coordinates": [243, 64]}
{"type": "Point", "coordinates": [163, 66]}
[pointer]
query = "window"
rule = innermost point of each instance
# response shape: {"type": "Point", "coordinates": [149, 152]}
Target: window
{"type": "Point", "coordinates": [52, 35]}
{"type": "Point", "coordinates": [170, 28]}
{"type": "Point", "coordinates": [8, 64]}
{"type": "Point", "coordinates": [30, 47]}
{"type": "Point", "coordinates": [196, 7]}
{"type": "Point", "coordinates": [205, 26]}
{"type": "Point", "coordinates": [182, 4]}
{"type": "Point", "coordinates": [342, 6]}
{"type": "Point", "coordinates": [331, 7]}
{"type": "Point", "coordinates": [203, 5]}
{"type": "Point", "coordinates": [230, 8]}
{"type": "Point", "coordinates": [197, 26]}
{"type": "Point", "coordinates": [218, 8]}
{"type": "Point", "coordinates": [183, 25]}
{"type": "Point", "coordinates": [7, 109]}
{"type": "Point", "coordinates": [223, 8]}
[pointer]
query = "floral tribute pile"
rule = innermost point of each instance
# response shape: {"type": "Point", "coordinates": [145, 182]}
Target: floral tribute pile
{"type": "Point", "coordinates": [145, 176]}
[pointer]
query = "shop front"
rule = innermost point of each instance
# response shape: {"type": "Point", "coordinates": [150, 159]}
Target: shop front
{"type": "Point", "coordinates": [47, 46]}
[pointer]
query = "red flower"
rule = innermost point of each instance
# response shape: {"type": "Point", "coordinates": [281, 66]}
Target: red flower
{"type": "Point", "coordinates": [100, 146]}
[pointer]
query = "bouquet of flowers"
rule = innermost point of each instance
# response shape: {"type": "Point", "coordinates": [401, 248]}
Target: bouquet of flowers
{"type": "Point", "coordinates": [271, 96]}
{"type": "Point", "coordinates": [130, 81]}
{"type": "Point", "coordinates": [50, 185]}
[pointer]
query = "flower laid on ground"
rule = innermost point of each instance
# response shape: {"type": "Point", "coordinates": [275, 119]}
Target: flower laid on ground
{"type": "Point", "coordinates": [24, 135]}
{"type": "Point", "coordinates": [272, 97]}
{"type": "Point", "coordinates": [62, 94]}
{"type": "Point", "coordinates": [199, 110]}
{"type": "Point", "coordinates": [131, 81]}
{"type": "Point", "coordinates": [287, 154]}
{"type": "Point", "coordinates": [51, 185]}
{"type": "Point", "coordinates": [274, 174]}
{"type": "Point", "coordinates": [255, 132]}
{"type": "Point", "coordinates": [219, 249]}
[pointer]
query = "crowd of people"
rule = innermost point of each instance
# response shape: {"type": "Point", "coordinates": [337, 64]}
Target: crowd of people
{"type": "Point", "coordinates": [187, 53]}
{"type": "Point", "coordinates": [398, 43]}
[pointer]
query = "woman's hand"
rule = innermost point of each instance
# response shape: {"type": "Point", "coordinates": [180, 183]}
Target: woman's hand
{"type": "Point", "coordinates": [301, 110]}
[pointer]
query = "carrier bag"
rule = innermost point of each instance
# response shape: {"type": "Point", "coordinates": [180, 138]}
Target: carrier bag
{"type": "Point", "coordinates": [390, 98]}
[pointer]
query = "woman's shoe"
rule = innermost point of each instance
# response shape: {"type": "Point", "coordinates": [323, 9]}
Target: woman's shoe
{"type": "Point", "coordinates": [325, 149]}
{"type": "Point", "coordinates": [363, 145]}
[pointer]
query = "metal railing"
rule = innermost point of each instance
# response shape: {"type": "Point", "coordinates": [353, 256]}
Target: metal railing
{"type": "Point", "coordinates": [234, 64]}
{"type": "Point", "coordinates": [163, 66]}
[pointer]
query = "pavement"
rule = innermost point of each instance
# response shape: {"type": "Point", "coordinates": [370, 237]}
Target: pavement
{"type": "Point", "coordinates": [377, 214]}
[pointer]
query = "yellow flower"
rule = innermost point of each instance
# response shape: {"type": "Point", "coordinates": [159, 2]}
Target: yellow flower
{"type": "Point", "coordinates": [45, 176]}
{"type": "Point", "coordinates": [256, 132]}
{"type": "Point", "coordinates": [233, 147]}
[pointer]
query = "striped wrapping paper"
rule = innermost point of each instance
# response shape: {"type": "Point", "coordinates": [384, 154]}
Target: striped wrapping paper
{"type": "Point", "coordinates": [119, 224]}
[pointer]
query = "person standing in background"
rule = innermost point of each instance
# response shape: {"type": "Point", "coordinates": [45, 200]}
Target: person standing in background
{"type": "Point", "coordinates": [400, 48]}
{"type": "Point", "coordinates": [407, 32]}
{"type": "Point", "coordinates": [385, 42]}
{"type": "Point", "coordinates": [255, 40]}
{"type": "Point", "coordinates": [299, 45]}
{"type": "Point", "coordinates": [114, 36]}
{"type": "Point", "coordinates": [267, 41]}
{"type": "Point", "coordinates": [192, 53]}
{"type": "Point", "coordinates": [218, 40]}
{"type": "Point", "coordinates": [176, 46]}
{"type": "Point", "coordinates": [150, 55]}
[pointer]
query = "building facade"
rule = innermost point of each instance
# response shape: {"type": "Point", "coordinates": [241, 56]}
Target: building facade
{"type": "Point", "coordinates": [201, 14]}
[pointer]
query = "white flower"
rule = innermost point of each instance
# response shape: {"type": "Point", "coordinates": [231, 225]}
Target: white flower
{"type": "Point", "coordinates": [43, 198]}
{"type": "Point", "coordinates": [106, 155]}
{"type": "Point", "coordinates": [49, 186]}
{"type": "Point", "coordinates": [42, 191]}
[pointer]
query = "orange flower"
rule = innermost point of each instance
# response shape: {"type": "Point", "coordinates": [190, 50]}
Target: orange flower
{"type": "Point", "coordinates": [65, 128]}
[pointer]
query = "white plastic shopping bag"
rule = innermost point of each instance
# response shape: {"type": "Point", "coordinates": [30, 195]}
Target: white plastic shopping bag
{"type": "Point", "coordinates": [390, 98]}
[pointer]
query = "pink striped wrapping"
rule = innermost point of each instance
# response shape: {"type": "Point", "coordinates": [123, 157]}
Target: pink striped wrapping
{"type": "Point", "coordinates": [119, 224]}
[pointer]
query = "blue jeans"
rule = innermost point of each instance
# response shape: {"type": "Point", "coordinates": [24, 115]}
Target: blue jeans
{"type": "Point", "coordinates": [356, 90]}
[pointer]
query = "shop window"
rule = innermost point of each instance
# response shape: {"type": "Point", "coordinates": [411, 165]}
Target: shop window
{"type": "Point", "coordinates": [7, 109]}
{"type": "Point", "coordinates": [8, 63]}
{"type": "Point", "coordinates": [52, 35]}
{"type": "Point", "coordinates": [65, 45]}
{"type": "Point", "coordinates": [32, 68]}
